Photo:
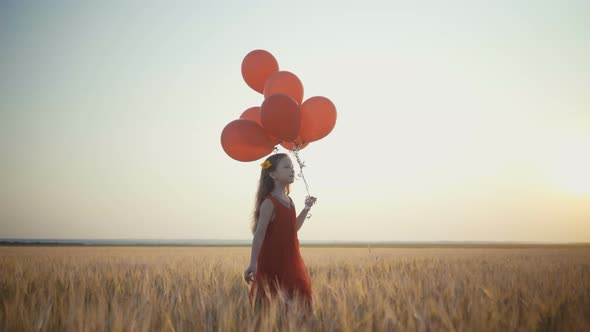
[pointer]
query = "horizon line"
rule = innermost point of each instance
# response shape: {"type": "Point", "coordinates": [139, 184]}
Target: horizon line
{"type": "Point", "coordinates": [247, 241]}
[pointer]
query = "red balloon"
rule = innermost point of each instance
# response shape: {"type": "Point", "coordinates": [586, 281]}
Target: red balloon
{"type": "Point", "coordinates": [291, 145]}
{"type": "Point", "coordinates": [257, 67]}
{"type": "Point", "coordinates": [281, 117]}
{"type": "Point", "coordinates": [284, 82]}
{"type": "Point", "coordinates": [318, 118]}
{"type": "Point", "coordinates": [245, 140]}
{"type": "Point", "coordinates": [253, 114]}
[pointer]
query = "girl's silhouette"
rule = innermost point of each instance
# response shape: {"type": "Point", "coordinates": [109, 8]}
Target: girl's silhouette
{"type": "Point", "coordinates": [276, 263]}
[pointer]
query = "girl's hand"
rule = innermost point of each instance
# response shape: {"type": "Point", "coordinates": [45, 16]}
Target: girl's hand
{"type": "Point", "coordinates": [250, 273]}
{"type": "Point", "coordinates": [310, 201]}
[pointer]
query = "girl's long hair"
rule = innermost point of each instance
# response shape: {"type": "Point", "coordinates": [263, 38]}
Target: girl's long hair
{"type": "Point", "coordinates": [265, 185]}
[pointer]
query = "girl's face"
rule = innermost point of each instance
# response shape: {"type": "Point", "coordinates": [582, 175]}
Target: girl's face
{"type": "Point", "coordinates": [284, 173]}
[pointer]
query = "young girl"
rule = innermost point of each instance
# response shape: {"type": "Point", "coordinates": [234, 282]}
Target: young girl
{"type": "Point", "coordinates": [276, 261]}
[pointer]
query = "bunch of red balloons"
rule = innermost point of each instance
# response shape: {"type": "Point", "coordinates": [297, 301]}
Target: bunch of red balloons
{"type": "Point", "coordinates": [282, 118]}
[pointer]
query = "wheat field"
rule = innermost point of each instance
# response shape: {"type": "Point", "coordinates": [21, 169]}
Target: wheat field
{"type": "Point", "coordinates": [48, 288]}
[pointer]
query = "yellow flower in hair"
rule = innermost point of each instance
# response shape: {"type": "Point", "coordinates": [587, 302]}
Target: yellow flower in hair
{"type": "Point", "coordinates": [266, 164]}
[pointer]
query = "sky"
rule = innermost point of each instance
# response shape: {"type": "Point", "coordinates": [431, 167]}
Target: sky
{"type": "Point", "coordinates": [457, 120]}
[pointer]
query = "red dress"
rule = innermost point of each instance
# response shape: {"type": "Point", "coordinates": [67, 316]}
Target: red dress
{"type": "Point", "coordinates": [279, 261]}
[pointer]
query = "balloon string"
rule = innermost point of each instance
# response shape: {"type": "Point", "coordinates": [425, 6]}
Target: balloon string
{"type": "Point", "coordinates": [295, 152]}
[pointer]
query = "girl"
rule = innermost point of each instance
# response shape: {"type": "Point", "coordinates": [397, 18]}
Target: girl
{"type": "Point", "coordinates": [276, 261]}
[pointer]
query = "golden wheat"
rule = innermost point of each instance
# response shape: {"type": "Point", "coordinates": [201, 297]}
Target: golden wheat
{"type": "Point", "coordinates": [355, 289]}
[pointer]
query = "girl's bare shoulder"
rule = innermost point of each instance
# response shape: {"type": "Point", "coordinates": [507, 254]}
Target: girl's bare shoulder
{"type": "Point", "coordinates": [267, 204]}
{"type": "Point", "coordinates": [267, 210]}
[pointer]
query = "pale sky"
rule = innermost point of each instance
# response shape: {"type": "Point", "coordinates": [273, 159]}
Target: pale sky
{"type": "Point", "coordinates": [457, 120]}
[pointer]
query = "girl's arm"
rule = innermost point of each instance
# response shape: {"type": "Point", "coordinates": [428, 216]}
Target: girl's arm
{"type": "Point", "coordinates": [302, 216]}
{"type": "Point", "coordinates": [266, 209]}
{"type": "Point", "coordinates": [309, 202]}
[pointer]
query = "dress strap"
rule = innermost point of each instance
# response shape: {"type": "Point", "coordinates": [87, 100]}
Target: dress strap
{"type": "Point", "coordinates": [282, 202]}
